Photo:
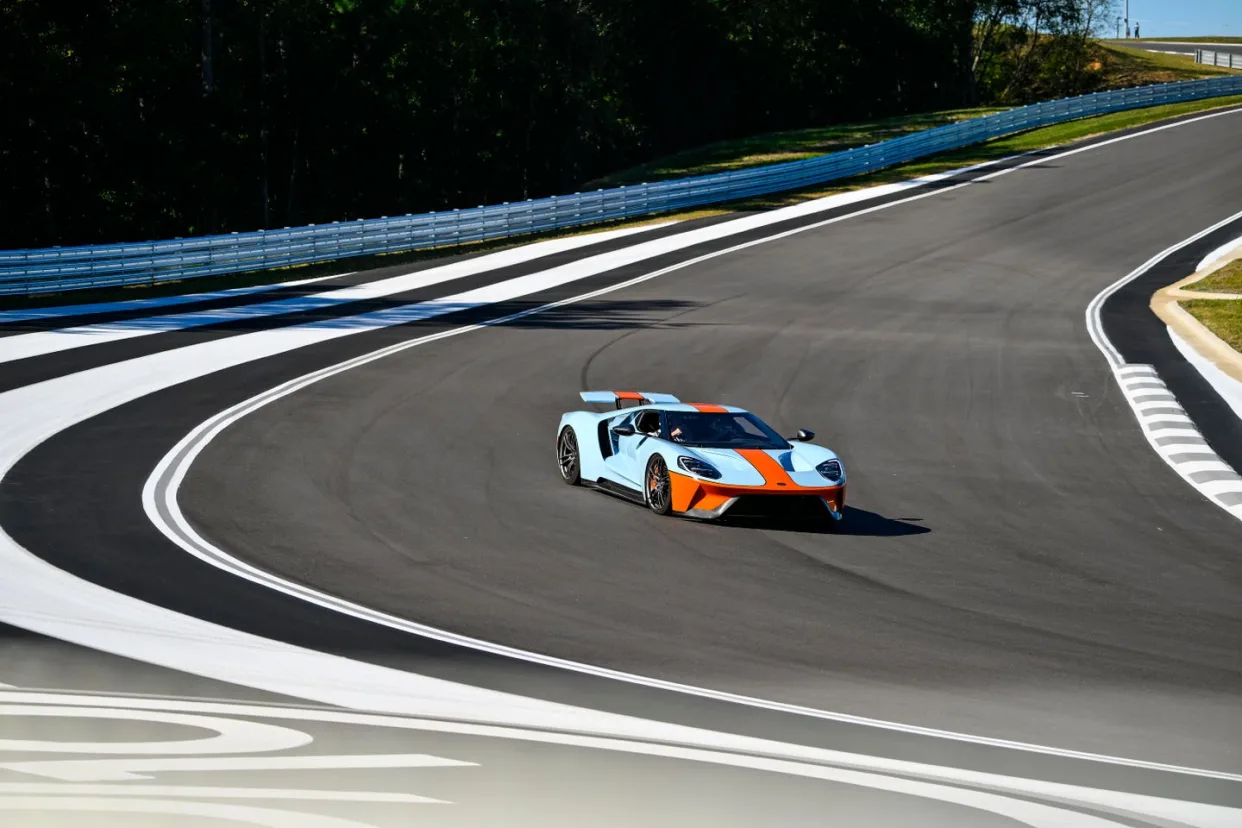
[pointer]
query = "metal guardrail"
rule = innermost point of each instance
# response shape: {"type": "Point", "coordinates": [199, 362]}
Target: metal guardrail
{"type": "Point", "coordinates": [1226, 59]}
{"type": "Point", "coordinates": [74, 268]}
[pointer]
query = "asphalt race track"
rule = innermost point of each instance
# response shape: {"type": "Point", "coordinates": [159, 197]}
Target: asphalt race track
{"type": "Point", "coordinates": [1016, 562]}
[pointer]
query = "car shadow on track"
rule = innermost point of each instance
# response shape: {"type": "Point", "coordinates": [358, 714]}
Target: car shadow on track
{"type": "Point", "coordinates": [856, 522]}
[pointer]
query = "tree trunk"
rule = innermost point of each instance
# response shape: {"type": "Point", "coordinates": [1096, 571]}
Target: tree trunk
{"type": "Point", "coordinates": [210, 141]}
{"type": "Point", "coordinates": [206, 49]}
{"type": "Point", "coordinates": [264, 186]}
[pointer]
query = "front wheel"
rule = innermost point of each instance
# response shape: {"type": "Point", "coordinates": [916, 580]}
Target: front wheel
{"type": "Point", "coordinates": [659, 486]}
{"type": "Point", "coordinates": [567, 456]}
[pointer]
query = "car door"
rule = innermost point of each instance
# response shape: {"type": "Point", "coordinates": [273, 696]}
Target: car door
{"type": "Point", "coordinates": [620, 460]}
{"type": "Point", "coordinates": [647, 425]}
{"type": "Point", "coordinates": [626, 462]}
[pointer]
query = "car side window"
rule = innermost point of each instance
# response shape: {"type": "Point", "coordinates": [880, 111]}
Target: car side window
{"type": "Point", "coordinates": [648, 423]}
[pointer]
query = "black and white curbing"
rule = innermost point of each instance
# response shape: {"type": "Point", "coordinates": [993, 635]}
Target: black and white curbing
{"type": "Point", "coordinates": [1173, 435]}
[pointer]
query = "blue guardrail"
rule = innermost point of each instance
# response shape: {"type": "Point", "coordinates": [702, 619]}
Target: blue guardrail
{"type": "Point", "coordinates": [93, 266]}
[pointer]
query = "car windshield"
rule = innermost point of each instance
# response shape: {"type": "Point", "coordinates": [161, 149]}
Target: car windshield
{"type": "Point", "coordinates": [735, 430]}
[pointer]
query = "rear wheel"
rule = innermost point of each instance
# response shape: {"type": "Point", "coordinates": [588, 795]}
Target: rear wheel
{"type": "Point", "coordinates": [659, 488]}
{"type": "Point", "coordinates": [567, 456]}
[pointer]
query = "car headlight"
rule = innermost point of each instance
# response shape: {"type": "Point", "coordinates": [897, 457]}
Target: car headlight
{"type": "Point", "coordinates": [698, 467]}
{"type": "Point", "coordinates": [831, 470]}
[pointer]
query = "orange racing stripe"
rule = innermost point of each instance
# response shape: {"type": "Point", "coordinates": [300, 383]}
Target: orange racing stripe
{"type": "Point", "coordinates": [707, 408]}
{"type": "Point", "coordinates": [773, 475]}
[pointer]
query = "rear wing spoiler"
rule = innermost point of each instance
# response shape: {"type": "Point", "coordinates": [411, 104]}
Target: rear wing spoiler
{"type": "Point", "coordinates": [616, 397]}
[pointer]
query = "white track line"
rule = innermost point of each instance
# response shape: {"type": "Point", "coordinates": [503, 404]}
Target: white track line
{"type": "Point", "coordinates": [209, 792]}
{"type": "Point", "coordinates": [892, 775]}
{"type": "Point", "coordinates": [61, 311]}
{"type": "Point", "coordinates": [39, 597]}
{"type": "Point", "coordinates": [41, 343]}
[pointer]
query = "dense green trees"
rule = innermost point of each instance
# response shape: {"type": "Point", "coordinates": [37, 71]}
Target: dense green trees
{"type": "Point", "coordinates": [136, 119]}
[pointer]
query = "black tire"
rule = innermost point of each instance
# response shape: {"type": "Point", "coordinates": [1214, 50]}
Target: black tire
{"type": "Point", "coordinates": [568, 458]}
{"type": "Point", "coordinates": [658, 487]}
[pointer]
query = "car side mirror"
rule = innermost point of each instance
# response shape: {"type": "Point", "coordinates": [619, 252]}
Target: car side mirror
{"type": "Point", "coordinates": [802, 436]}
{"type": "Point", "coordinates": [623, 431]}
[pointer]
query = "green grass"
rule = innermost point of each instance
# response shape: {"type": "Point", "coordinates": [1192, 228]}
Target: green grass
{"type": "Point", "coordinates": [1226, 280]}
{"type": "Point", "coordinates": [1222, 317]}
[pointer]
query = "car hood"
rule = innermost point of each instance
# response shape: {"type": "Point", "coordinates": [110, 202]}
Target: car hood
{"type": "Point", "coordinates": [798, 463]}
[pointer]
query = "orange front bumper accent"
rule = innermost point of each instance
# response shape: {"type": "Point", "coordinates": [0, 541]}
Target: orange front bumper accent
{"type": "Point", "coordinates": [689, 493]}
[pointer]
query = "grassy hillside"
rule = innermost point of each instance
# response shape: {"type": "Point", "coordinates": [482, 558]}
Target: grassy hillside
{"type": "Point", "coordinates": [1119, 67]}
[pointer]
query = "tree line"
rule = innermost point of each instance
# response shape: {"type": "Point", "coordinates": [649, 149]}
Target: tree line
{"type": "Point", "coordinates": [139, 119]}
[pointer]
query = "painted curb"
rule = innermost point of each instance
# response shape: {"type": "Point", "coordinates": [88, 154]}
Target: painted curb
{"type": "Point", "coordinates": [1165, 304]}
{"type": "Point", "coordinates": [1174, 436]}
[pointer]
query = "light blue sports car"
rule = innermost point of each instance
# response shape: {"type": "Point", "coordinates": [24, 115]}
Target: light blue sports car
{"type": "Point", "coordinates": [696, 460]}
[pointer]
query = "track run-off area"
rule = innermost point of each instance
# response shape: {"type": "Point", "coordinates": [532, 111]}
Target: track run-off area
{"type": "Point", "coordinates": [325, 519]}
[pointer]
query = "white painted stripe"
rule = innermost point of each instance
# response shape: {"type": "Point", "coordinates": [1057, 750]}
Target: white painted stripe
{"type": "Point", "coordinates": [723, 749]}
{"type": "Point", "coordinates": [177, 809]}
{"type": "Point", "coordinates": [41, 343]}
{"type": "Point", "coordinates": [1219, 254]}
{"type": "Point", "coordinates": [1219, 487]}
{"type": "Point", "coordinates": [62, 311]}
{"type": "Point", "coordinates": [1193, 466]}
{"type": "Point", "coordinates": [1168, 418]}
{"type": "Point", "coordinates": [1143, 407]}
{"type": "Point", "coordinates": [1171, 431]}
{"type": "Point", "coordinates": [210, 792]}
{"type": "Point", "coordinates": [231, 736]}
{"type": "Point", "coordinates": [121, 770]}
{"type": "Point", "coordinates": [1186, 448]}
{"type": "Point", "coordinates": [1229, 389]}
{"type": "Point", "coordinates": [37, 596]}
